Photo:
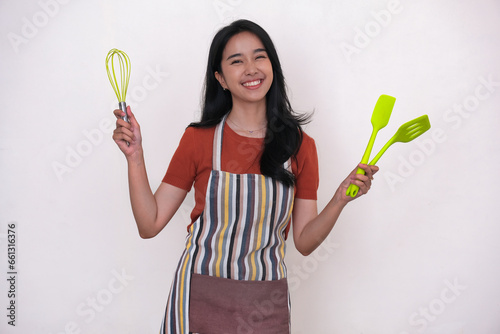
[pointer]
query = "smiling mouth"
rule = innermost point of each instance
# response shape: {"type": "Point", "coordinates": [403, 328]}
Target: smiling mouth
{"type": "Point", "coordinates": [252, 83]}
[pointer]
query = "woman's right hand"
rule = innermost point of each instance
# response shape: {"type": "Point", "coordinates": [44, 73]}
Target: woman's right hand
{"type": "Point", "coordinates": [127, 133]}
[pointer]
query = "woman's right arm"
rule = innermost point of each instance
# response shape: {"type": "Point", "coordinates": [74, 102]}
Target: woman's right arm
{"type": "Point", "coordinates": [151, 211]}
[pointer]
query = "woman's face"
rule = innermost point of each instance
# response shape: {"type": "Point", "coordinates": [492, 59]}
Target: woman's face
{"type": "Point", "coordinates": [246, 69]}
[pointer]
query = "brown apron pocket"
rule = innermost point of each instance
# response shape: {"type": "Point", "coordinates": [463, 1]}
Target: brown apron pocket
{"type": "Point", "coordinates": [227, 306]}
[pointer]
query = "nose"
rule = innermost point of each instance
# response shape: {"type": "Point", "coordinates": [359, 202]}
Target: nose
{"type": "Point", "coordinates": [251, 68]}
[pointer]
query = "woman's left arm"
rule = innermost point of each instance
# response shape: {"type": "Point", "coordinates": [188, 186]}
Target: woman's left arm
{"type": "Point", "coordinates": [310, 229]}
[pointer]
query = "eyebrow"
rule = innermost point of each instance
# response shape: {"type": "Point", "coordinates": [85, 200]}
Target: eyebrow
{"type": "Point", "coordinates": [239, 54]}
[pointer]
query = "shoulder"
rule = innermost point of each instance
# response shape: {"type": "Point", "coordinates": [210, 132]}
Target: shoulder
{"type": "Point", "coordinates": [195, 135]}
{"type": "Point", "coordinates": [308, 140]}
{"type": "Point", "coordinates": [194, 149]}
{"type": "Point", "coordinates": [201, 132]}
{"type": "Point", "coordinates": [194, 139]}
{"type": "Point", "coordinates": [308, 144]}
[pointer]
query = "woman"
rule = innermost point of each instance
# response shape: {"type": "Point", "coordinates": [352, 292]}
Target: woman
{"type": "Point", "coordinates": [253, 169]}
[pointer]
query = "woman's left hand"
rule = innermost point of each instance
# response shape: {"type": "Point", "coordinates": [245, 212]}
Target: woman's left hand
{"type": "Point", "coordinates": [363, 181]}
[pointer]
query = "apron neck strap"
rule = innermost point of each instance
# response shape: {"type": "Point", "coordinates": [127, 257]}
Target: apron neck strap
{"type": "Point", "coordinates": [217, 146]}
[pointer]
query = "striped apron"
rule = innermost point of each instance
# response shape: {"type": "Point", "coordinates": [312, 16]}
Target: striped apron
{"type": "Point", "coordinates": [231, 277]}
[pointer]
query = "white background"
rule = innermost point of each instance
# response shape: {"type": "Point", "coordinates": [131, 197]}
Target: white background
{"type": "Point", "coordinates": [419, 254]}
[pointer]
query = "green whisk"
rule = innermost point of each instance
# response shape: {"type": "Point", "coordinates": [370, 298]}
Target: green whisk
{"type": "Point", "coordinates": [120, 87]}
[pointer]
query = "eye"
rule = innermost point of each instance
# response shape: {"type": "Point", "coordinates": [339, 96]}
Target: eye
{"type": "Point", "coordinates": [236, 61]}
{"type": "Point", "coordinates": [261, 57]}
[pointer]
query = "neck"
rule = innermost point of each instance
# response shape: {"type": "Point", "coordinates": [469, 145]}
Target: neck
{"type": "Point", "coordinates": [250, 116]}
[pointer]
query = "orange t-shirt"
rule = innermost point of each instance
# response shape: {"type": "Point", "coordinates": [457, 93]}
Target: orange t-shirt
{"type": "Point", "coordinates": [192, 162]}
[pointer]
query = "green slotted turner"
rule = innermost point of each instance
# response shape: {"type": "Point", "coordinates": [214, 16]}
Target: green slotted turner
{"type": "Point", "coordinates": [406, 133]}
{"type": "Point", "coordinates": [380, 118]}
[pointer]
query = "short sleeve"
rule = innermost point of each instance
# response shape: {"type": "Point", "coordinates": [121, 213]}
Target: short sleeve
{"type": "Point", "coordinates": [181, 171]}
{"type": "Point", "coordinates": [307, 173]}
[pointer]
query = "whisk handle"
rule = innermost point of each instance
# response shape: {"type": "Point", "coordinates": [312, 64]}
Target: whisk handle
{"type": "Point", "coordinates": [123, 107]}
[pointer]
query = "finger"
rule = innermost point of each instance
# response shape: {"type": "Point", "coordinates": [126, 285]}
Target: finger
{"type": "Point", "coordinates": [124, 146]}
{"type": "Point", "coordinates": [370, 170]}
{"type": "Point", "coordinates": [355, 170]}
{"type": "Point", "coordinates": [133, 121]}
{"type": "Point", "coordinates": [360, 179]}
{"type": "Point", "coordinates": [365, 169]}
{"type": "Point", "coordinates": [121, 123]}
{"type": "Point", "coordinates": [121, 138]}
{"type": "Point", "coordinates": [369, 173]}
{"type": "Point", "coordinates": [373, 169]}
{"type": "Point", "coordinates": [123, 133]}
{"type": "Point", "coordinates": [118, 113]}
{"type": "Point", "coordinates": [131, 115]}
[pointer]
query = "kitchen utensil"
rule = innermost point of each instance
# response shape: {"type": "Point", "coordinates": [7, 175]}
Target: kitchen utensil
{"type": "Point", "coordinates": [120, 87]}
{"type": "Point", "coordinates": [406, 133]}
{"type": "Point", "coordinates": [380, 118]}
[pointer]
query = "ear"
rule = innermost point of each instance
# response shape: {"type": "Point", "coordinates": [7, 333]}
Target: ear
{"type": "Point", "coordinates": [221, 80]}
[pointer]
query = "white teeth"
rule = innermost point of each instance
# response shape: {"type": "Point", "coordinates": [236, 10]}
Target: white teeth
{"type": "Point", "coordinates": [252, 83]}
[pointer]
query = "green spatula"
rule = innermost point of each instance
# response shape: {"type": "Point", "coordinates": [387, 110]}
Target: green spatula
{"type": "Point", "coordinates": [380, 118]}
{"type": "Point", "coordinates": [406, 133]}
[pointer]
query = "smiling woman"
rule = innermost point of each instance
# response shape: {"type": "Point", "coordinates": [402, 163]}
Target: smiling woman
{"type": "Point", "coordinates": [247, 73]}
{"type": "Point", "coordinates": [232, 277]}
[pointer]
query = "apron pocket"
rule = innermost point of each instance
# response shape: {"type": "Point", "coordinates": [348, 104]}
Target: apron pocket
{"type": "Point", "coordinates": [227, 306]}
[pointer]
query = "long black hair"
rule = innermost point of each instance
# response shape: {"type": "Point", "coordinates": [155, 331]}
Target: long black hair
{"type": "Point", "coordinates": [284, 132]}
